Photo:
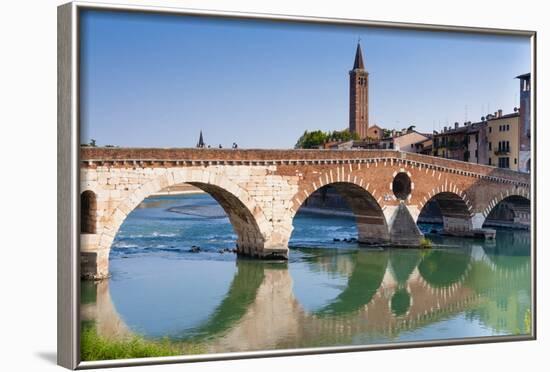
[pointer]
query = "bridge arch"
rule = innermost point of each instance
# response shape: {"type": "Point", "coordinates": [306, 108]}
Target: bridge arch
{"type": "Point", "coordinates": [246, 216]}
{"type": "Point", "coordinates": [509, 209]}
{"type": "Point", "coordinates": [372, 227]}
{"type": "Point", "coordinates": [454, 207]}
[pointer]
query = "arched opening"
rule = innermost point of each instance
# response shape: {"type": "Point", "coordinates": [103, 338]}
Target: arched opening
{"type": "Point", "coordinates": [338, 214]}
{"type": "Point", "coordinates": [511, 212]}
{"type": "Point", "coordinates": [445, 209]}
{"type": "Point", "coordinates": [88, 212]}
{"type": "Point", "coordinates": [402, 186]}
{"type": "Point", "coordinates": [189, 219]}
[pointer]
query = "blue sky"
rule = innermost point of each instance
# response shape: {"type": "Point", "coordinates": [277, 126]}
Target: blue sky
{"type": "Point", "coordinates": [156, 80]}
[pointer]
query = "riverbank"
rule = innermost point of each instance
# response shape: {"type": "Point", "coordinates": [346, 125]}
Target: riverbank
{"type": "Point", "coordinates": [96, 347]}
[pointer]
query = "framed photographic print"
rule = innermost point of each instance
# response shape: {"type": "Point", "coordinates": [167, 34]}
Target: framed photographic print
{"type": "Point", "coordinates": [237, 185]}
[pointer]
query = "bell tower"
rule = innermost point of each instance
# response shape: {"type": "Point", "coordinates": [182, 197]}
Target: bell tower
{"type": "Point", "coordinates": [359, 96]}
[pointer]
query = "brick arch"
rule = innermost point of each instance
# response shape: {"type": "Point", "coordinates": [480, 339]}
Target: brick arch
{"type": "Point", "coordinates": [247, 218]}
{"type": "Point", "coordinates": [520, 191]}
{"type": "Point", "coordinates": [445, 188]}
{"type": "Point", "coordinates": [361, 198]}
{"type": "Point", "coordinates": [455, 207]}
{"type": "Point", "coordinates": [325, 179]}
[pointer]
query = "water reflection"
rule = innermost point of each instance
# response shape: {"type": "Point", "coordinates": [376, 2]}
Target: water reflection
{"type": "Point", "coordinates": [321, 297]}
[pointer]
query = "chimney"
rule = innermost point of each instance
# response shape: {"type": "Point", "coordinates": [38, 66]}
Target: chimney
{"type": "Point", "coordinates": [456, 124]}
{"type": "Point", "coordinates": [500, 113]}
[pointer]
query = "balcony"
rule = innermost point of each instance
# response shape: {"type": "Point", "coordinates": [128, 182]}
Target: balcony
{"type": "Point", "coordinates": [502, 152]}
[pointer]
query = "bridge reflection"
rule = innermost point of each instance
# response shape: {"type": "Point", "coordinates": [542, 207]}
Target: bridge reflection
{"type": "Point", "coordinates": [387, 293]}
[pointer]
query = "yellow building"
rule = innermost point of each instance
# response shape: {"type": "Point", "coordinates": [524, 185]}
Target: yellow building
{"type": "Point", "coordinates": [503, 140]}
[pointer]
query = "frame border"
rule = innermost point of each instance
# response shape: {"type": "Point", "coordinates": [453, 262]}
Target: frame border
{"type": "Point", "coordinates": [68, 181]}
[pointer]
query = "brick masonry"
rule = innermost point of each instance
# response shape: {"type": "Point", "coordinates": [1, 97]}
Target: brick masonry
{"type": "Point", "coordinates": [262, 190]}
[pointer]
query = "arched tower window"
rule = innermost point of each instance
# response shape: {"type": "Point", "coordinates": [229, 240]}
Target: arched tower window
{"type": "Point", "coordinates": [88, 209]}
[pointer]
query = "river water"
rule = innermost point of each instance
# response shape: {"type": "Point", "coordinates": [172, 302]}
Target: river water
{"type": "Point", "coordinates": [329, 293]}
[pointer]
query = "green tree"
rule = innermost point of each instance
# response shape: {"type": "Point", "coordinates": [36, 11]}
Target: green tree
{"type": "Point", "coordinates": [314, 139]}
{"type": "Point", "coordinates": [311, 140]}
{"type": "Point", "coordinates": [343, 135]}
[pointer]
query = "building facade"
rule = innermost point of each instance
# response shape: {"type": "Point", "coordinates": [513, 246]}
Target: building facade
{"type": "Point", "coordinates": [359, 96]}
{"type": "Point", "coordinates": [424, 147]}
{"type": "Point", "coordinates": [451, 143]}
{"type": "Point", "coordinates": [503, 137]}
{"type": "Point", "coordinates": [464, 143]}
{"type": "Point", "coordinates": [375, 133]}
{"type": "Point", "coordinates": [525, 123]}
{"type": "Point", "coordinates": [494, 141]}
{"type": "Point", "coordinates": [406, 142]}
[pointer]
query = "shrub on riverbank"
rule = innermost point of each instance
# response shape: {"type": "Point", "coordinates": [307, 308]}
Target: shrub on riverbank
{"type": "Point", "coordinates": [425, 243]}
{"type": "Point", "coordinates": [95, 347]}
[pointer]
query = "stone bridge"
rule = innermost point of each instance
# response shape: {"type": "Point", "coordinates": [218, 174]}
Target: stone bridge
{"type": "Point", "coordinates": [262, 190]}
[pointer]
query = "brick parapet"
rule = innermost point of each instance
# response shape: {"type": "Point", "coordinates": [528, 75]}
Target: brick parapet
{"type": "Point", "coordinates": [177, 157]}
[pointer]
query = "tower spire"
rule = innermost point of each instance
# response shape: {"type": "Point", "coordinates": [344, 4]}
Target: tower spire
{"type": "Point", "coordinates": [200, 144]}
{"type": "Point", "coordinates": [358, 63]}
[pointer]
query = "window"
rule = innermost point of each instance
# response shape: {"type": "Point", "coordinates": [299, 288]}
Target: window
{"type": "Point", "coordinates": [477, 154]}
{"type": "Point", "coordinates": [489, 161]}
{"type": "Point", "coordinates": [490, 147]}
{"type": "Point", "coordinates": [507, 126]}
{"type": "Point", "coordinates": [515, 160]}
{"type": "Point", "coordinates": [504, 146]}
{"type": "Point", "coordinates": [504, 162]}
{"type": "Point", "coordinates": [490, 129]}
